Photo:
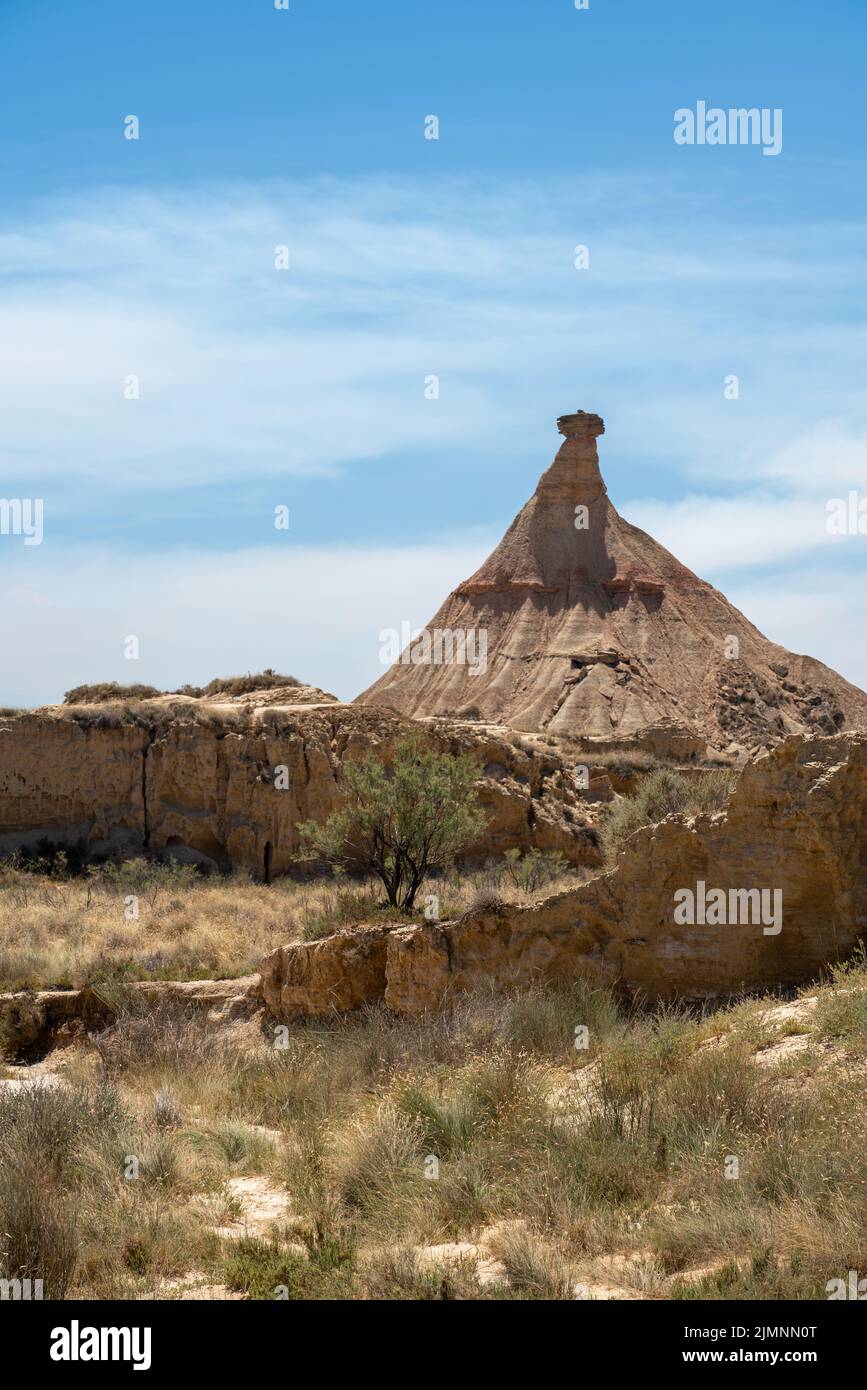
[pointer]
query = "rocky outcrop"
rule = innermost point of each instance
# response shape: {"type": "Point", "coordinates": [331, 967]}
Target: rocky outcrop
{"type": "Point", "coordinates": [796, 826]}
{"type": "Point", "coordinates": [61, 779]}
{"type": "Point", "coordinates": [33, 1022]}
{"type": "Point", "coordinates": [329, 976]}
{"type": "Point", "coordinates": [591, 629]}
{"type": "Point", "coordinates": [227, 784]}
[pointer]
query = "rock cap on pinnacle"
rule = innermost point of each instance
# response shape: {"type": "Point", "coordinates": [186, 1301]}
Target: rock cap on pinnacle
{"type": "Point", "coordinates": [581, 424]}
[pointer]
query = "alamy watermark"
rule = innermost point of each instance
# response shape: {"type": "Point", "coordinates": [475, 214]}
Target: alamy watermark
{"type": "Point", "coordinates": [740, 125]}
{"type": "Point", "coordinates": [853, 1286]}
{"type": "Point", "coordinates": [22, 516]}
{"type": "Point", "coordinates": [435, 647]}
{"type": "Point", "coordinates": [77, 1343]}
{"type": "Point", "coordinates": [739, 907]}
{"type": "Point", "coordinates": [846, 516]}
{"type": "Point", "coordinates": [20, 1290]}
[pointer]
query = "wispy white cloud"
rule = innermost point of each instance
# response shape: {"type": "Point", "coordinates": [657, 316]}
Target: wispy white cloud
{"type": "Point", "coordinates": [711, 533]}
{"type": "Point", "coordinates": [315, 613]}
{"type": "Point", "coordinates": [813, 612]}
{"type": "Point", "coordinates": [246, 370]}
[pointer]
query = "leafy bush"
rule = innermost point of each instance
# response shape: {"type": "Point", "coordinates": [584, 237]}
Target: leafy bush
{"type": "Point", "coordinates": [402, 823]}
{"type": "Point", "coordinates": [262, 1270]}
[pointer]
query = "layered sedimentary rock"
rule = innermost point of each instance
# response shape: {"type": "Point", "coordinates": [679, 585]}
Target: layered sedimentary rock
{"type": "Point", "coordinates": [796, 826]}
{"type": "Point", "coordinates": [229, 783]}
{"type": "Point", "coordinates": [61, 778]}
{"type": "Point", "coordinates": [591, 628]}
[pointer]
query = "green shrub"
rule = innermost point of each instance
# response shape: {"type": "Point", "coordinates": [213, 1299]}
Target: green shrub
{"type": "Point", "coordinates": [531, 871]}
{"type": "Point", "coordinates": [401, 823]}
{"type": "Point", "coordinates": [662, 793]}
{"type": "Point", "coordinates": [262, 1270]}
{"type": "Point", "coordinates": [842, 1015]}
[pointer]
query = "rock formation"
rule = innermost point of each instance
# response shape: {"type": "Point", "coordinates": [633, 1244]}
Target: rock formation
{"type": "Point", "coordinates": [200, 779]}
{"type": "Point", "coordinates": [32, 1023]}
{"type": "Point", "coordinates": [796, 825]}
{"type": "Point", "coordinates": [592, 629]}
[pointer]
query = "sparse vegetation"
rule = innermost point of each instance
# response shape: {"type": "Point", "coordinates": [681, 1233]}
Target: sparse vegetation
{"type": "Point", "coordinates": [238, 685]}
{"type": "Point", "coordinates": [557, 1170]}
{"type": "Point", "coordinates": [58, 931]}
{"type": "Point", "coordinates": [113, 692]}
{"type": "Point", "coordinates": [624, 761]}
{"type": "Point", "coordinates": [104, 692]}
{"type": "Point", "coordinates": [662, 793]}
{"type": "Point", "coordinates": [841, 1015]}
{"type": "Point", "coordinates": [534, 869]}
{"type": "Point", "coordinates": [111, 713]}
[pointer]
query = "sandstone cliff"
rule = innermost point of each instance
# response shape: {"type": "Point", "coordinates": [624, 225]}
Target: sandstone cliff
{"type": "Point", "coordinates": [593, 629]}
{"type": "Point", "coordinates": [201, 780]}
{"type": "Point", "coordinates": [796, 824]}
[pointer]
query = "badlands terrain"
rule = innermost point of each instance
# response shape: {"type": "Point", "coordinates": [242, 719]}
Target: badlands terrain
{"type": "Point", "coordinates": [232, 1070]}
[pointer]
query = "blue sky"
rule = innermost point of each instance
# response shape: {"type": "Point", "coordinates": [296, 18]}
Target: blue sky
{"type": "Point", "coordinates": [410, 257]}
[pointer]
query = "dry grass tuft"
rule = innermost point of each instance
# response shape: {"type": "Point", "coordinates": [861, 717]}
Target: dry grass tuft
{"type": "Point", "coordinates": [665, 1159]}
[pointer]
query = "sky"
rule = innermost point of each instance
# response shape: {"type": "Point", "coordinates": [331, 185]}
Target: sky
{"type": "Point", "coordinates": [243, 309]}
